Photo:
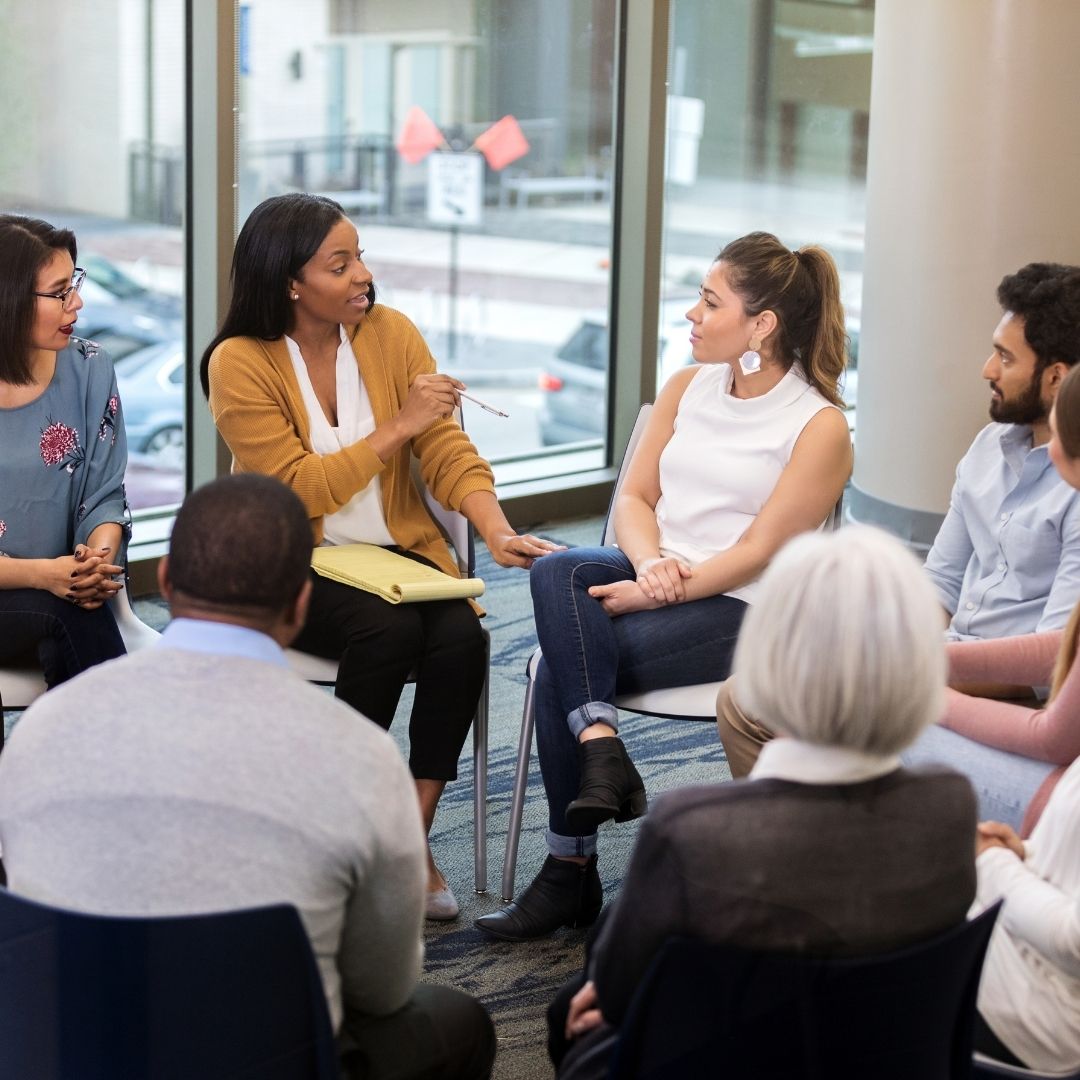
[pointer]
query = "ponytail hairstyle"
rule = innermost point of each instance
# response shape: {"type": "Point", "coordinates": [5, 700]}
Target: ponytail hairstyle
{"type": "Point", "coordinates": [281, 234]}
{"type": "Point", "coordinates": [26, 245]}
{"type": "Point", "coordinates": [802, 288]}
{"type": "Point", "coordinates": [1067, 425]}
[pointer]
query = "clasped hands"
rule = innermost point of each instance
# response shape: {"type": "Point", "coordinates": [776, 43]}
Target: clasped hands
{"type": "Point", "coordinates": [660, 581]}
{"type": "Point", "coordinates": [83, 578]}
{"type": "Point", "coordinates": [990, 834]}
{"type": "Point", "coordinates": [584, 1013]}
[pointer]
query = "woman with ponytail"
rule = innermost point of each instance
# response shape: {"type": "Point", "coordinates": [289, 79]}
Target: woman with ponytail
{"type": "Point", "coordinates": [741, 452]}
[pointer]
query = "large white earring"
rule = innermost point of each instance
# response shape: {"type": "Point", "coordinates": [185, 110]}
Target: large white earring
{"type": "Point", "coordinates": [750, 361]}
{"type": "Point", "coordinates": [295, 296]}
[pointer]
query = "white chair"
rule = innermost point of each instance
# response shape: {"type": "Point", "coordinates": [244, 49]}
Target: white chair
{"type": "Point", "coordinates": [21, 686]}
{"type": "Point", "coordinates": [696, 702]}
{"type": "Point", "coordinates": [985, 1068]}
{"type": "Point", "coordinates": [458, 533]}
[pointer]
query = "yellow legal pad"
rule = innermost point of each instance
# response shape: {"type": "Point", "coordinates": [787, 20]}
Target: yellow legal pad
{"type": "Point", "coordinates": [389, 575]}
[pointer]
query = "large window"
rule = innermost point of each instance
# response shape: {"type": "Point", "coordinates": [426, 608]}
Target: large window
{"type": "Point", "coordinates": [93, 140]}
{"type": "Point", "coordinates": [767, 129]}
{"type": "Point", "coordinates": [502, 259]}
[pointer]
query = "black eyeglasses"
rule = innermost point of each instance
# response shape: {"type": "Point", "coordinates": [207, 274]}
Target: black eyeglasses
{"type": "Point", "coordinates": [65, 295]}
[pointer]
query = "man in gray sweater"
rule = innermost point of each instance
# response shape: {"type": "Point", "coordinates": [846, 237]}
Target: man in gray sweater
{"type": "Point", "coordinates": [202, 775]}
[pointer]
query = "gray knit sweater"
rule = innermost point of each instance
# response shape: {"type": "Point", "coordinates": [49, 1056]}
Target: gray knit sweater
{"type": "Point", "coordinates": [172, 782]}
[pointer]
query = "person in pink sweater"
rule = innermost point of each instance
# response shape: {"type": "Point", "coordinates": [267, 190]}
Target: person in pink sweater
{"type": "Point", "coordinates": [1015, 754]}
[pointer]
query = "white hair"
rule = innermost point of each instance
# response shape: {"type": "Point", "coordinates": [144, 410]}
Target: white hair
{"type": "Point", "coordinates": [844, 644]}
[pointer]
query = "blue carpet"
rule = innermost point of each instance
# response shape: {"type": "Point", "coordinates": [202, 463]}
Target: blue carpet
{"type": "Point", "coordinates": [516, 982]}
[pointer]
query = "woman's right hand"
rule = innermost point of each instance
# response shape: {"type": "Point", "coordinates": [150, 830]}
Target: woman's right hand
{"type": "Point", "coordinates": [84, 578]}
{"type": "Point", "coordinates": [662, 579]}
{"type": "Point", "coordinates": [431, 398]}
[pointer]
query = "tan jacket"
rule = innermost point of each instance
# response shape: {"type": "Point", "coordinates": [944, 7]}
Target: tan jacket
{"type": "Point", "coordinates": [260, 412]}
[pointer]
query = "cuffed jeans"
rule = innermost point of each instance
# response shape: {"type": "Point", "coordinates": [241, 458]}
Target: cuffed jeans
{"type": "Point", "coordinates": [590, 657]}
{"type": "Point", "coordinates": [64, 639]}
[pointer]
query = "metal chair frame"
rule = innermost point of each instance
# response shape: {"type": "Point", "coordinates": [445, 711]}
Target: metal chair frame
{"type": "Point", "coordinates": [316, 669]}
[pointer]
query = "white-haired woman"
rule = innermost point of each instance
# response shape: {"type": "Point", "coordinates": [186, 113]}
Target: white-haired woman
{"type": "Point", "coordinates": [850, 852]}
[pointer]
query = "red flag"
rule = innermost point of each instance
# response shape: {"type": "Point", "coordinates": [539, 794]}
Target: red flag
{"type": "Point", "coordinates": [419, 136]}
{"type": "Point", "coordinates": [502, 143]}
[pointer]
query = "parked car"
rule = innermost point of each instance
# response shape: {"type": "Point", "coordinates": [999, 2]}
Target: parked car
{"type": "Point", "coordinates": [574, 404]}
{"type": "Point", "coordinates": [151, 383]}
{"type": "Point", "coordinates": [123, 287]}
{"type": "Point", "coordinates": [121, 315]}
{"type": "Point", "coordinates": [573, 407]}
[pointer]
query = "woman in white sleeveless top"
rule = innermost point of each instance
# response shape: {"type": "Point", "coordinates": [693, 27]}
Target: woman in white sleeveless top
{"type": "Point", "coordinates": [741, 452]}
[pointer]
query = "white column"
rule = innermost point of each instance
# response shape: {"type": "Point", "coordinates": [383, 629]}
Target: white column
{"type": "Point", "coordinates": [973, 162]}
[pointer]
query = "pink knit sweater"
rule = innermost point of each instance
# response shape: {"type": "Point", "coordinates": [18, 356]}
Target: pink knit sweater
{"type": "Point", "coordinates": [1050, 734]}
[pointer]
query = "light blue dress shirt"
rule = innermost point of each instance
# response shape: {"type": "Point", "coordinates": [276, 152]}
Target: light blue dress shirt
{"type": "Point", "coordinates": [221, 639]}
{"type": "Point", "coordinates": [1006, 560]}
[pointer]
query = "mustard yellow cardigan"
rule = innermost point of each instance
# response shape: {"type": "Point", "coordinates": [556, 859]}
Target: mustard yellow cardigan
{"type": "Point", "coordinates": [260, 412]}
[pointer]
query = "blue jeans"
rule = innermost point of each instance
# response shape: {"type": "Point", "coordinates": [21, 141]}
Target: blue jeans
{"type": "Point", "coordinates": [63, 638]}
{"type": "Point", "coordinates": [590, 657]}
{"type": "Point", "coordinates": [1004, 783]}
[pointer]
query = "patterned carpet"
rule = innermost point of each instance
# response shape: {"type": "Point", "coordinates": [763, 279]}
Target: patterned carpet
{"type": "Point", "coordinates": [516, 982]}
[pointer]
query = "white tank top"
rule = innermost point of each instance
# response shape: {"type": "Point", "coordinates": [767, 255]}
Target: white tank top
{"type": "Point", "coordinates": [361, 519]}
{"type": "Point", "coordinates": [724, 459]}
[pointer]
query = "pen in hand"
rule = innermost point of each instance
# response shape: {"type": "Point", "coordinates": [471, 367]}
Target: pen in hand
{"type": "Point", "coordinates": [483, 405]}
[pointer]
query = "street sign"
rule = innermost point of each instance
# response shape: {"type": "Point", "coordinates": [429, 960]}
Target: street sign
{"type": "Point", "coordinates": [455, 188]}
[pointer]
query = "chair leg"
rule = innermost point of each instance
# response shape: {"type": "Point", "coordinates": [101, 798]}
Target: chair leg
{"type": "Point", "coordinates": [517, 802]}
{"type": "Point", "coordinates": [480, 775]}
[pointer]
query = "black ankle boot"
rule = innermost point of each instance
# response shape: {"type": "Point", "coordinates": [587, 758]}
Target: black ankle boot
{"type": "Point", "coordinates": [610, 786]}
{"type": "Point", "coordinates": [563, 894]}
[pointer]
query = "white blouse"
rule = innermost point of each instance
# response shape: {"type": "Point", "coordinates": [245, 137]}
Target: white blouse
{"type": "Point", "coordinates": [1029, 994]}
{"type": "Point", "coordinates": [361, 519]}
{"type": "Point", "coordinates": [724, 459]}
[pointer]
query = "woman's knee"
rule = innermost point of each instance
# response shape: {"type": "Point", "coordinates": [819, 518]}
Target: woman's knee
{"type": "Point", "coordinates": [397, 633]}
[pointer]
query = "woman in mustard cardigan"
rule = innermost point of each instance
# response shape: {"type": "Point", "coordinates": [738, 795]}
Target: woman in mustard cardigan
{"type": "Point", "coordinates": [311, 382]}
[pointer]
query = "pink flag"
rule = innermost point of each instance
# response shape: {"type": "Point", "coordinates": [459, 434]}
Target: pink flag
{"type": "Point", "coordinates": [502, 143]}
{"type": "Point", "coordinates": [419, 136]}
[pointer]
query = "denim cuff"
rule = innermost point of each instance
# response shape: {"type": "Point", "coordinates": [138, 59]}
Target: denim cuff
{"type": "Point", "coordinates": [571, 845]}
{"type": "Point", "coordinates": [593, 712]}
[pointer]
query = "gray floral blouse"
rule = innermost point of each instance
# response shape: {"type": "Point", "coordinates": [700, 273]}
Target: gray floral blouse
{"type": "Point", "coordinates": [62, 459]}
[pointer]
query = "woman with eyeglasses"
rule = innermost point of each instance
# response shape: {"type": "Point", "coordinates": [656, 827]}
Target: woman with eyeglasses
{"type": "Point", "coordinates": [64, 517]}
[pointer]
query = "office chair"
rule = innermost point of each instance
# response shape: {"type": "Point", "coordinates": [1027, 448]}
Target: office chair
{"type": "Point", "coordinates": [225, 995]}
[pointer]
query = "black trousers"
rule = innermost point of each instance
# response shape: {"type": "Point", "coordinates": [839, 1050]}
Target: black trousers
{"type": "Point", "coordinates": [64, 639]}
{"type": "Point", "coordinates": [378, 645]}
{"type": "Point", "coordinates": [441, 1034]}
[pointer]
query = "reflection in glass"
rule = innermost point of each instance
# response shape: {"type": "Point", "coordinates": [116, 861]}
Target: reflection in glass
{"type": "Point", "coordinates": [355, 100]}
{"type": "Point", "coordinates": [97, 147]}
{"type": "Point", "coordinates": [767, 126]}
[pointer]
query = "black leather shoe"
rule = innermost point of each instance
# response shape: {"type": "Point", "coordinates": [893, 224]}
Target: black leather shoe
{"type": "Point", "coordinates": [610, 786]}
{"type": "Point", "coordinates": [563, 894]}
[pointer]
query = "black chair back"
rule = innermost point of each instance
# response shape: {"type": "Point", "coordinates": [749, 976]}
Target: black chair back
{"type": "Point", "coordinates": [230, 995]}
{"type": "Point", "coordinates": [716, 1011]}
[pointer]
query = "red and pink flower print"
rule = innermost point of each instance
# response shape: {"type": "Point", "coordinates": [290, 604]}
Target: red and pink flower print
{"type": "Point", "coordinates": [57, 441]}
{"type": "Point", "coordinates": [108, 421]}
{"type": "Point", "coordinates": [59, 445]}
